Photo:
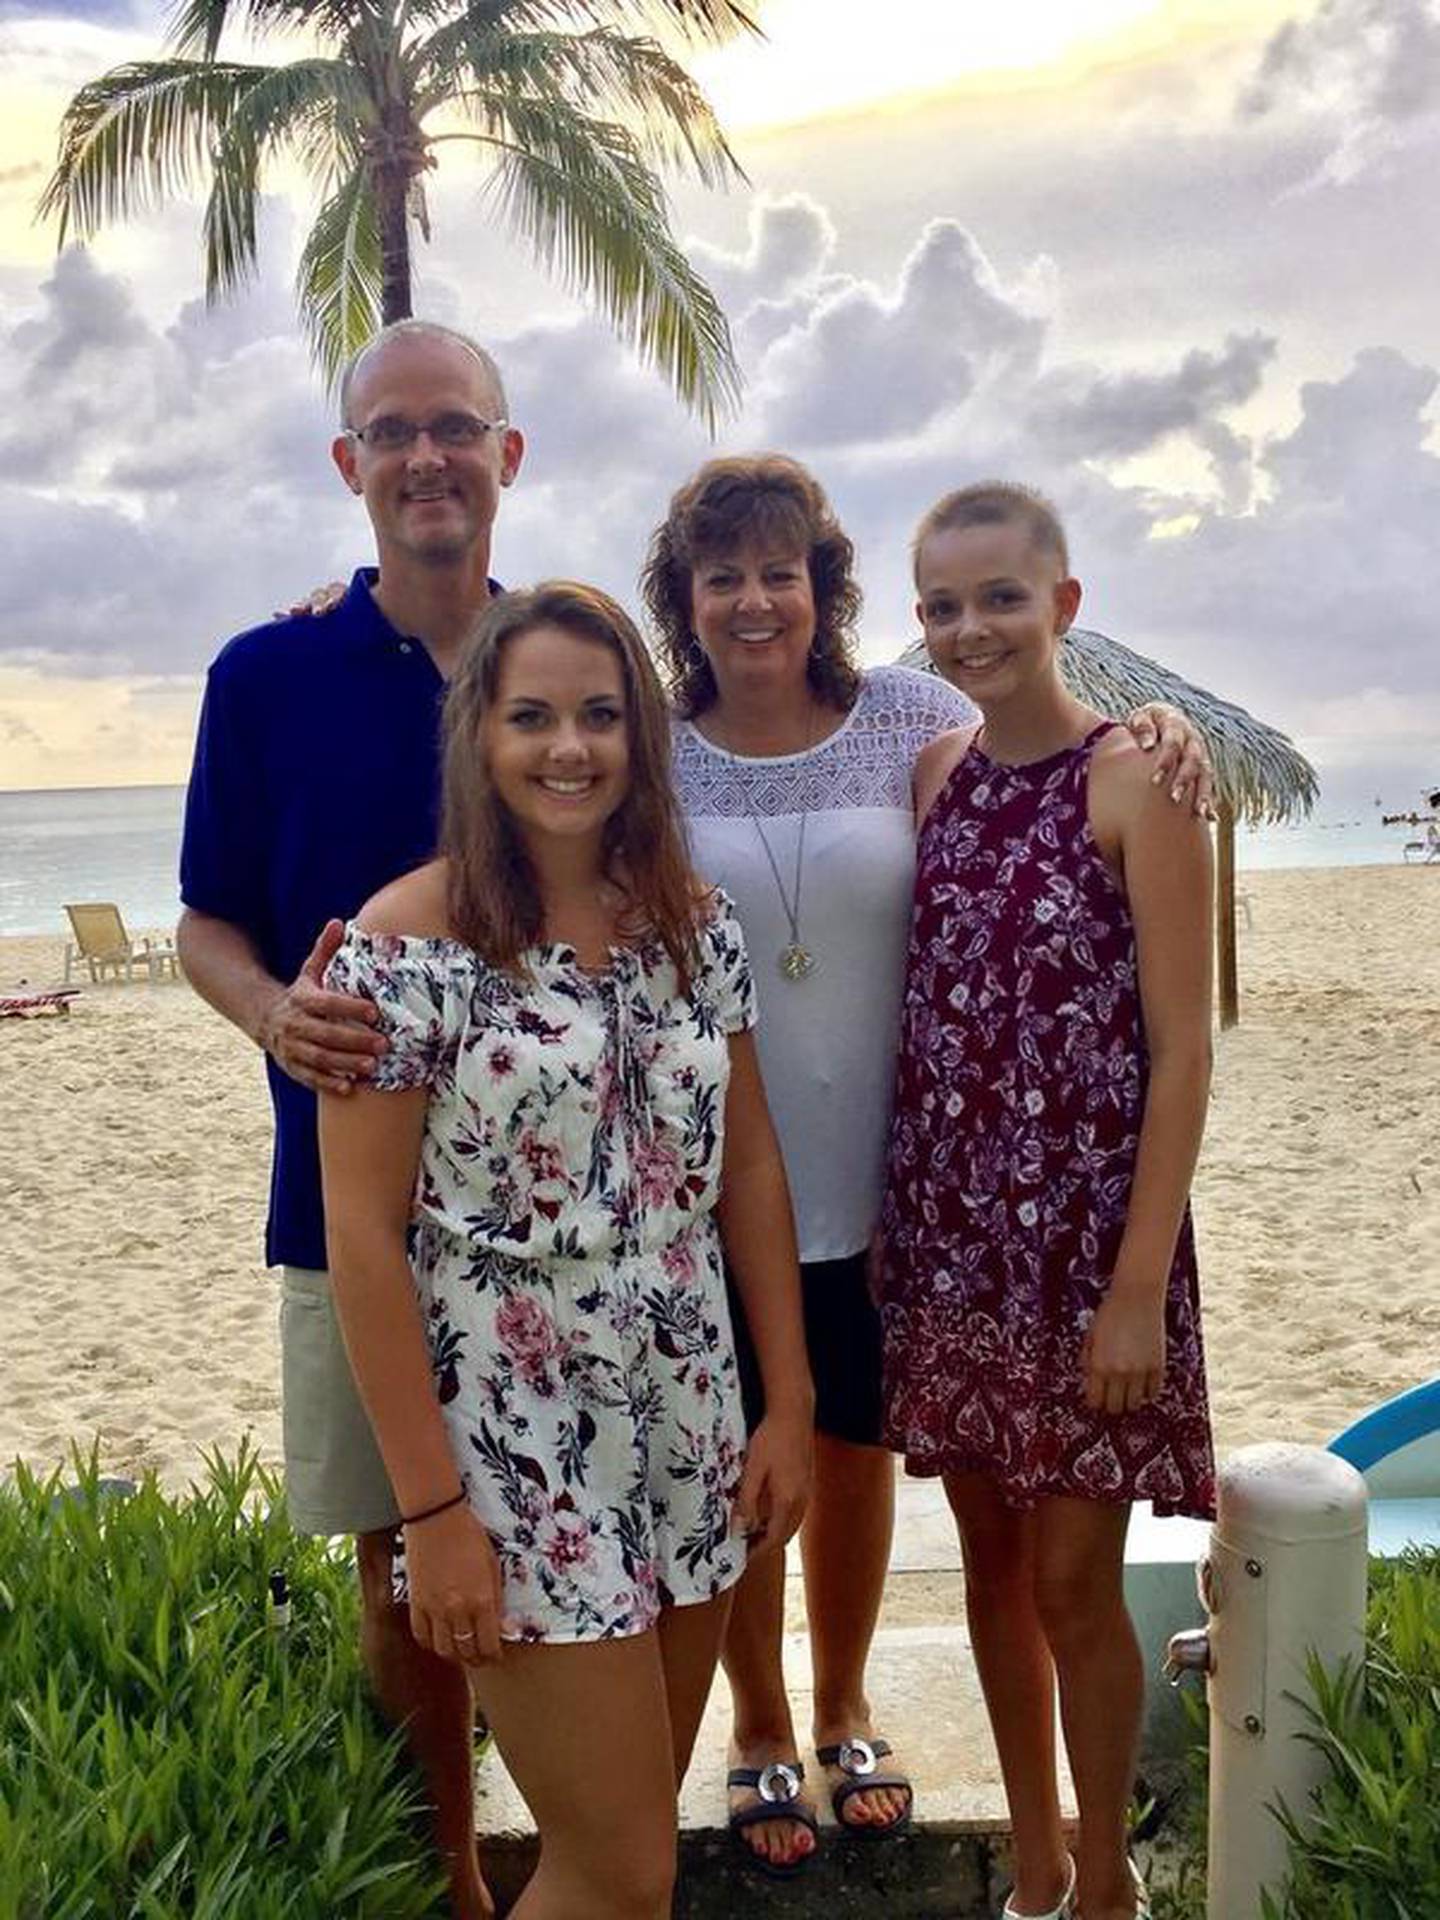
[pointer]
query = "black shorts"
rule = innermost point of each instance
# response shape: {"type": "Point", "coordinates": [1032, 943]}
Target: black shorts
{"type": "Point", "coordinates": [842, 1337]}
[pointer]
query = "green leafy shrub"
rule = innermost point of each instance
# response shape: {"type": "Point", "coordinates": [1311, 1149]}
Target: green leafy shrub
{"type": "Point", "coordinates": [165, 1748]}
{"type": "Point", "coordinates": [1368, 1847]}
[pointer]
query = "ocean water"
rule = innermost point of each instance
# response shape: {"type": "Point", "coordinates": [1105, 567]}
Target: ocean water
{"type": "Point", "coordinates": [89, 843]}
{"type": "Point", "coordinates": [123, 844]}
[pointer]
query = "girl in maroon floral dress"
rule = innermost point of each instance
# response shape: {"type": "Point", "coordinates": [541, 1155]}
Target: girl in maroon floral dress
{"type": "Point", "coordinates": [1038, 1274]}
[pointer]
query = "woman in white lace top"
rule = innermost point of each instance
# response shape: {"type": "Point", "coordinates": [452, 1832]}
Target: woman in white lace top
{"type": "Point", "coordinates": [794, 771]}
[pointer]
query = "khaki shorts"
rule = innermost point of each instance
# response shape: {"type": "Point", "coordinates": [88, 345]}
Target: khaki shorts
{"type": "Point", "coordinates": [335, 1479]}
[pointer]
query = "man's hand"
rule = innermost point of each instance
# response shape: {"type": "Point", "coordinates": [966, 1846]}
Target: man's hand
{"type": "Point", "coordinates": [326, 1041]}
{"type": "Point", "coordinates": [776, 1482]}
{"type": "Point", "coordinates": [1181, 758]}
{"type": "Point", "coordinates": [318, 600]}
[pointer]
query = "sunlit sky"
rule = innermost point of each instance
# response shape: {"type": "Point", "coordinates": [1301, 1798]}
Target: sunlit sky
{"type": "Point", "coordinates": [1158, 255]}
{"type": "Point", "coordinates": [821, 57]}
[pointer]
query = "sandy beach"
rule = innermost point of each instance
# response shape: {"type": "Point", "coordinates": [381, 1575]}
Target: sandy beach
{"type": "Point", "coordinates": [134, 1139]}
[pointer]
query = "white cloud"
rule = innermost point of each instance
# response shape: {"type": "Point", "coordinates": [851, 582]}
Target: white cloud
{"type": "Point", "coordinates": [1092, 415]}
{"type": "Point", "coordinates": [1369, 69]}
{"type": "Point", "coordinates": [863, 364]}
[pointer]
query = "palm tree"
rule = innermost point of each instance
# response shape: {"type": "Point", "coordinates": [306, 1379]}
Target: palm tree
{"type": "Point", "coordinates": [574, 114]}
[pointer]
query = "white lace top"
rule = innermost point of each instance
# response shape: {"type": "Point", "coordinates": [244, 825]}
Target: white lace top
{"type": "Point", "coordinates": [827, 1042]}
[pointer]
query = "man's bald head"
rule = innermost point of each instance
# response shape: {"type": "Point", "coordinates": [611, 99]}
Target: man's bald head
{"type": "Point", "coordinates": [363, 357]}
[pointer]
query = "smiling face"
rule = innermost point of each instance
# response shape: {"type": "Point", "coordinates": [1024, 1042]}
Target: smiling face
{"type": "Point", "coordinates": [556, 735]}
{"type": "Point", "coordinates": [993, 603]}
{"type": "Point", "coordinates": [753, 613]}
{"type": "Point", "coordinates": [429, 504]}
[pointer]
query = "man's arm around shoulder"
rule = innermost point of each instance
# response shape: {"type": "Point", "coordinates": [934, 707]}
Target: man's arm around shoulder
{"type": "Point", "coordinates": [326, 1041]}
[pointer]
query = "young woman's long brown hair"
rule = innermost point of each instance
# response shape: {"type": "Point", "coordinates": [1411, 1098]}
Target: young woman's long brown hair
{"type": "Point", "coordinates": [494, 898]}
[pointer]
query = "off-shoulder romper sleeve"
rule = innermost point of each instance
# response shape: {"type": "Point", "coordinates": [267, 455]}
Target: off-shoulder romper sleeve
{"type": "Point", "coordinates": [413, 984]}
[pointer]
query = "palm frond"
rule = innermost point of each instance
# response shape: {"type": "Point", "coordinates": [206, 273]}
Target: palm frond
{"type": "Point", "coordinates": [602, 71]}
{"type": "Point", "coordinates": [1258, 770]}
{"type": "Point", "coordinates": [338, 281]}
{"type": "Point", "coordinates": [138, 135]}
{"type": "Point", "coordinates": [294, 106]}
{"type": "Point", "coordinates": [712, 21]}
{"type": "Point", "coordinates": [196, 26]}
{"type": "Point", "coordinates": [581, 193]}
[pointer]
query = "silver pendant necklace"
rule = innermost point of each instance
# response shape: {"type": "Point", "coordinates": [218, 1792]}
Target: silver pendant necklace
{"type": "Point", "coordinates": [796, 961]}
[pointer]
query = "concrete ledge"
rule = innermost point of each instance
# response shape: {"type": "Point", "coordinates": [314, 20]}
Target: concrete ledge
{"type": "Point", "coordinates": [927, 1696]}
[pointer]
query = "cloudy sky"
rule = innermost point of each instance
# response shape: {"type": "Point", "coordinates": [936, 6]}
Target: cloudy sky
{"type": "Point", "coordinates": [1173, 260]}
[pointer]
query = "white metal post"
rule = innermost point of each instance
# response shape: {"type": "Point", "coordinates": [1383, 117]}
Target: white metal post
{"type": "Point", "coordinates": [1284, 1577]}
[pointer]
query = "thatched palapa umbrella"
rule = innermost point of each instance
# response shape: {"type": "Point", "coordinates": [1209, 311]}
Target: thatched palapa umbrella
{"type": "Point", "coordinates": [1260, 777]}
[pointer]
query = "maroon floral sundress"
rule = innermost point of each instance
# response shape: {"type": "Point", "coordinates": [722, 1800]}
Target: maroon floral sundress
{"type": "Point", "coordinates": [1021, 1087]}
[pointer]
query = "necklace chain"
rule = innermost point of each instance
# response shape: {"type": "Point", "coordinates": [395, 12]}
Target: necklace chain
{"type": "Point", "coordinates": [796, 961]}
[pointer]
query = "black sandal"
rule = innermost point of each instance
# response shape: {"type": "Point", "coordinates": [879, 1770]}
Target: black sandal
{"type": "Point", "coordinates": [859, 1761]}
{"type": "Point", "coordinates": [778, 1785]}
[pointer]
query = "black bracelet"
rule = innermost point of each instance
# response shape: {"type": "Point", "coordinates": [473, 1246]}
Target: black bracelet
{"type": "Point", "coordinates": [414, 1519]}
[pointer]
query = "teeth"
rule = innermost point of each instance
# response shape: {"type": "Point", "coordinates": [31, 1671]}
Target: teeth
{"type": "Point", "coordinates": [567, 786]}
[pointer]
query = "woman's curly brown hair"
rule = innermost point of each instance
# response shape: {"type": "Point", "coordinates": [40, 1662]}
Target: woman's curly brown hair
{"type": "Point", "coordinates": [772, 501]}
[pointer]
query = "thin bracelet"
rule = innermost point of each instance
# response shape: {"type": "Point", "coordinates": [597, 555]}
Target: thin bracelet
{"type": "Point", "coordinates": [414, 1519]}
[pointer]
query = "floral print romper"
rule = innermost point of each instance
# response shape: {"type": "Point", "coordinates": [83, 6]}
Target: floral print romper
{"type": "Point", "coordinates": [567, 1260]}
{"type": "Point", "coordinates": [1018, 1104]}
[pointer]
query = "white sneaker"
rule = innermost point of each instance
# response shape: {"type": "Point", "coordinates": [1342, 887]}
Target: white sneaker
{"type": "Point", "coordinates": [1062, 1912]}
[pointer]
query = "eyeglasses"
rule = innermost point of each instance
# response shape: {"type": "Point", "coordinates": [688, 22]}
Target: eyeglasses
{"type": "Point", "coordinates": [393, 433]}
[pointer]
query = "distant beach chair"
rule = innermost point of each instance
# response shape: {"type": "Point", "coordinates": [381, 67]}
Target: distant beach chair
{"type": "Point", "coordinates": [1426, 851]}
{"type": "Point", "coordinates": [105, 947]}
{"type": "Point", "coordinates": [26, 1003]}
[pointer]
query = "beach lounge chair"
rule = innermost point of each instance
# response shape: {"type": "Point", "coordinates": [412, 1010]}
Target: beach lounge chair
{"type": "Point", "coordinates": [103, 944]}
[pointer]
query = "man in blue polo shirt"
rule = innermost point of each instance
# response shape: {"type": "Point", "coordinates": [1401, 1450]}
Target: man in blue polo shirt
{"type": "Point", "coordinates": [315, 783]}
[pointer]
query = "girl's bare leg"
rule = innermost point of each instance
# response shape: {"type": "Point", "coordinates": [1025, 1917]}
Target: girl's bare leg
{"type": "Point", "coordinates": [585, 1732]}
{"type": "Point", "coordinates": [689, 1650]}
{"type": "Point", "coordinates": [430, 1698]}
{"type": "Point", "coordinates": [845, 1548]}
{"type": "Point", "coordinates": [1017, 1676]}
{"type": "Point", "coordinates": [763, 1729]}
{"type": "Point", "coordinates": [1080, 1597]}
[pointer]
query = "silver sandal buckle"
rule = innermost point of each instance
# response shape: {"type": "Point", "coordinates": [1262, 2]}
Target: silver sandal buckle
{"type": "Point", "coordinates": [778, 1781]}
{"type": "Point", "coordinates": [857, 1758]}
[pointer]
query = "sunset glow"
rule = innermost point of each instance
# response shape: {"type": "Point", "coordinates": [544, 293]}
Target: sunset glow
{"type": "Point", "coordinates": [825, 56]}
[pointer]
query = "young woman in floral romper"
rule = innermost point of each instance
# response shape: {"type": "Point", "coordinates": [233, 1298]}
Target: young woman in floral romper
{"type": "Point", "coordinates": [526, 1209]}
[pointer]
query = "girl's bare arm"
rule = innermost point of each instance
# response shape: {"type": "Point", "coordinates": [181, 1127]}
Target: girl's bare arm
{"type": "Point", "coordinates": [758, 1229]}
{"type": "Point", "coordinates": [370, 1148]}
{"type": "Point", "coordinates": [1163, 853]}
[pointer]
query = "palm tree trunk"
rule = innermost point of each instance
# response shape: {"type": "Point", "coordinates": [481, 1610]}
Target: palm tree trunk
{"type": "Point", "coordinates": [392, 188]}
